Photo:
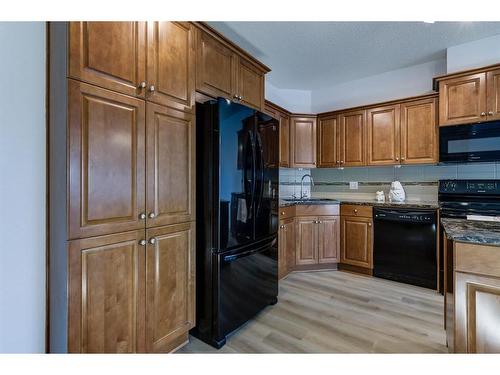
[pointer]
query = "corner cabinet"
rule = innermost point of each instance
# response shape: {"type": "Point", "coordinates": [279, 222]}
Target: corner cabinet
{"type": "Point", "coordinates": [224, 71]}
{"type": "Point", "coordinates": [283, 116]}
{"type": "Point", "coordinates": [303, 141]}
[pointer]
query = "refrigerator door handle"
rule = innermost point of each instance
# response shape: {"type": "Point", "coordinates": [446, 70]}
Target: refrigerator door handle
{"type": "Point", "coordinates": [260, 152]}
{"type": "Point", "coordinates": [249, 196]}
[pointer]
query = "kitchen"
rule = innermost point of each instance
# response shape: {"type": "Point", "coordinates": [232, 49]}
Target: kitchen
{"type": "Point", "coordinates": [195, 206]}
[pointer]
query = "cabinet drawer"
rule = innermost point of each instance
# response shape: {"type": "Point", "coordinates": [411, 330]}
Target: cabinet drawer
{"type": "Point", "coordinates": [356, 210]}
{"type": "Point", "coordinates": [286, 212]}
{"type": "Point", "coordinates": [317, 210]}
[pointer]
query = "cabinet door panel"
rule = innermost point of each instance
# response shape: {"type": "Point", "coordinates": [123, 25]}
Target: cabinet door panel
{"type": "Point", "coordinates": [356, 240]}
{"type": "Point", "coordinates": [106, 294]}
{"type": "Point", "coordinates": [284, 141]}
{"type": "Point", "coordinates": [383, 135]}
{"type": "Point", "coordinates": [170, 285]}
{"type": "Point", "coordinates": [170, 166]}
{"type": "Point", "coordinates": [216, 67]}
{"type": "Point", "coordinates": [106, 161]}
{"type": "Point", "coordinates": [493, 94]}
{"type": "Point", "coordinates": [250, 85]}
{"type": "Point", "coordinates": [306, 248]}
{"type": "Point", "coordinates": [329, 239]}
{"type": "Point", "coordinates": [477, 311]}
{"type": "Point", "coordinates": [303, 135]}
{"type": "Point", "coordinates": [109, 54]}
{"type": "Point", "coordinates": [290, 244]}
{"type": "Point", "coordinates": [462, 100]}
{"type": "Point", "coordinates": [352, 139]}
{"type": "Point", "coordinates": [419, 132]}
{"type": "Point", "coordinates": [171, 64]}
{"type": "Point", "coordinates": [328, 142]}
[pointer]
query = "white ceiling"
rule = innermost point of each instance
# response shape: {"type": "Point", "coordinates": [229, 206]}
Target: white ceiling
{"type": "Point", "coordinates": [312, 55]}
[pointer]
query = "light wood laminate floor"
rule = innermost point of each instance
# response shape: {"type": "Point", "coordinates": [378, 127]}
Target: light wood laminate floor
{"type": "Point", "coordinates": [340, 312]}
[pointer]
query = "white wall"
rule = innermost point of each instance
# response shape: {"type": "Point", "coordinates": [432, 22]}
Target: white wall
{"type": "Point", "coordinates": [296, 101]}
{"type": "Point", "coordinates": [395, 84]}
{"type": "Point", "coordinates": [474, 54]}
{"type": "Point", "coordinates": [22, 187]}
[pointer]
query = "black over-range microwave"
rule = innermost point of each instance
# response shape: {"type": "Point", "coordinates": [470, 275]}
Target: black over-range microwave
{"type": "Point", "coordinates": [470, 143]}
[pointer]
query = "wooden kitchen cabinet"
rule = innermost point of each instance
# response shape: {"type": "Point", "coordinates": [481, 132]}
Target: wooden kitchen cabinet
{"type": "Point", "coordinates": [352, 138]}
{"type": "Point", "coordinates": [283, 116]}
{"type": "Point", "coordinates": [170, 166]}
{"type": "Point", "coordinates": [493, 94]}
{"type": "Point", "coordinates": [223, 71]}
{"type": "Point", "coordinates": [286, 238]}
{"type": "Point", "coordinates": [328, 141]}
{"type": "Point", "coordinates": [317, 240]}
{"type": "Point", "coordinates": [170, 69]}
{"type": "Point", "coordinates": [419, 132]}
{"type": "Point", "coordinates": [357, 241]}
{"type": "Point", "coordinates": [250, 84]}
{"type": "Point", "coordinates": [111, 55]}
{"type": "Point", "coordinates": [106, 294]}
{"type": "Point", "coordinates": [306, 249]}
{"type": "Point", "coordinates": [462, 100]}
{"type": "Point", "coordinates": [106, 161]}
{"type": "Point", "coordinates": [303, 141]}
{"type": "Point", "coordinates": [383, 140]}
{"type": "Point", "coordinates": [170, 286]}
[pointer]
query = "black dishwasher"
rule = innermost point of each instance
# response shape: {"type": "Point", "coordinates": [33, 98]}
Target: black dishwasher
{"type": "Point", "coordinates": [404, 246]}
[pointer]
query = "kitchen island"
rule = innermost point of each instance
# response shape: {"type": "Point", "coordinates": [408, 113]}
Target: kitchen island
{"type": "Point", "coordinates": [472, 285]}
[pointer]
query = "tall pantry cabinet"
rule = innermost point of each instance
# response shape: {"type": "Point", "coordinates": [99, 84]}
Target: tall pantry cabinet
{"type": "Point", "coordinates": [122, 198]}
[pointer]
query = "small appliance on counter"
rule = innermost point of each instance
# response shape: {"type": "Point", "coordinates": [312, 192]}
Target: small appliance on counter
{"type": "Point", "coordinates": [380, 196]}
{"type": "Point", "coordinates": [397, 193]}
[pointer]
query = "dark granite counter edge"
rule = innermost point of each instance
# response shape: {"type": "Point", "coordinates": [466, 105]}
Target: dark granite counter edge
{"type": "Point", "coordinates": [473, 232]}
{"type": "Point", "coordinates": [410, 204]}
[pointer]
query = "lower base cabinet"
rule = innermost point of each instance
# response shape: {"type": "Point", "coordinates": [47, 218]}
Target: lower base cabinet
{"type": "Point", "coordinates": [132, 292]}
{"type": "Point", "coordinates": [317, 240]}
{"type": "Point", "coordinates": [286, 239]}
{"type": "Point", "coordinates": [357, 240]}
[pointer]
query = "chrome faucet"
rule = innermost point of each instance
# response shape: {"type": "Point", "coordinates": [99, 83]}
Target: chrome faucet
{"type": "Point", "coordinates": [302, 195]}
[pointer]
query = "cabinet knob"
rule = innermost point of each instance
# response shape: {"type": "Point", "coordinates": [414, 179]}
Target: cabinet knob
{"type": "Point", "coordinates": [142, 216]}
{"type": "Point", "coordinates": [341, 162]}
{"type": "Point", "coordinates": [491, 113]}
{"type": "Point", "coordinates": [402, 159]}
{"type": "Point", "coordinates": [355, 210]}
{"type": "Point", "coordinates": [282, 212]}
{"type": "Point", "coordinates": [142, 242]}
{"type": "Point", "coordinates": [142, 85]}
{"type": "Point", "coordinates": [369, 224]}
{"type": "Point", "coordinates": [397, 159]}
{"type": "Point", "coordinates": [152, 215]}
{"type": "Point", "coordinates": [152, 241]}
{"type": "Point", "coordinates": [152, 88]}
{"type": "Point", "coordinates": [338, 161]}
{"type": "Point", "coordinates": [483, 113]}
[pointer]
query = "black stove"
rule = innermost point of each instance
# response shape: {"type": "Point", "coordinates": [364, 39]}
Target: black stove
{"type": "Point", "coordinates": [459, 198]}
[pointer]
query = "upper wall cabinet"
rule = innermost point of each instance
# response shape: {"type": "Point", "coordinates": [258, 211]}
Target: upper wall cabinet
{"type": "Point", "coordinates": [462, 100]}
{"type": "Point", "coordinates": [222, 70]}
{"type": "Point", "coordinates": [419, 131]}
{"type": "Point", "coordinates": [383, 135]}
{"type": "Point", "coordinates": [284, 131]}
{"type": "Point", "coordinates": [170, 69]}
{"type": "Point", "coordinates": [328, 141]}
{"type": "Point", "coordinates": [352, 138]}
{"type": "Point", "coordinates": [469, 97]}
{"type": "Point", "coordinates": [303, 141]}
{"type": "Point", "coordinates": [110, 55]}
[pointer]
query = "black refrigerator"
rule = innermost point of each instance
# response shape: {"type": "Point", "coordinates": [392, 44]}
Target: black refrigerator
{"type": "Point", "coordinates": [237, 217]}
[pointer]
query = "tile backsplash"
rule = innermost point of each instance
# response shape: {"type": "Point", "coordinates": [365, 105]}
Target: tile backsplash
{"type": "Point", "coordinates": [420, 181]}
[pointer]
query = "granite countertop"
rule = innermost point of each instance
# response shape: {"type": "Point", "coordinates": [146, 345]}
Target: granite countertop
{"type": "Point", "coordinates": [365, 202]}
{"type": "Point", "coordinates": [472, 231]}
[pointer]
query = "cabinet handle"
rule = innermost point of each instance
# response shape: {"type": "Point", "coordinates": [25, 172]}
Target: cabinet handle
{"type": "Point", "coordinates": [483, 113]}
{"type": "Point", "coordinates": [142, 242]}
{"type": "Point", "coordinates": [152, 241]}
{"type": "Point", "coordinates": [491, 113]}
{"type": "Point", "coordinates": [142, 216]}
{"type": "Point", "coordinates": [152, 215]}
{"type": "Point", "coordinates": [152, 88]}
{"type": "Point", "coordinates": [142, 85]}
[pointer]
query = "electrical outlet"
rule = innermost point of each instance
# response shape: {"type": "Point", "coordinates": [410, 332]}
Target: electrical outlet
{"type": "Point", "coordinates": [353, 185]}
